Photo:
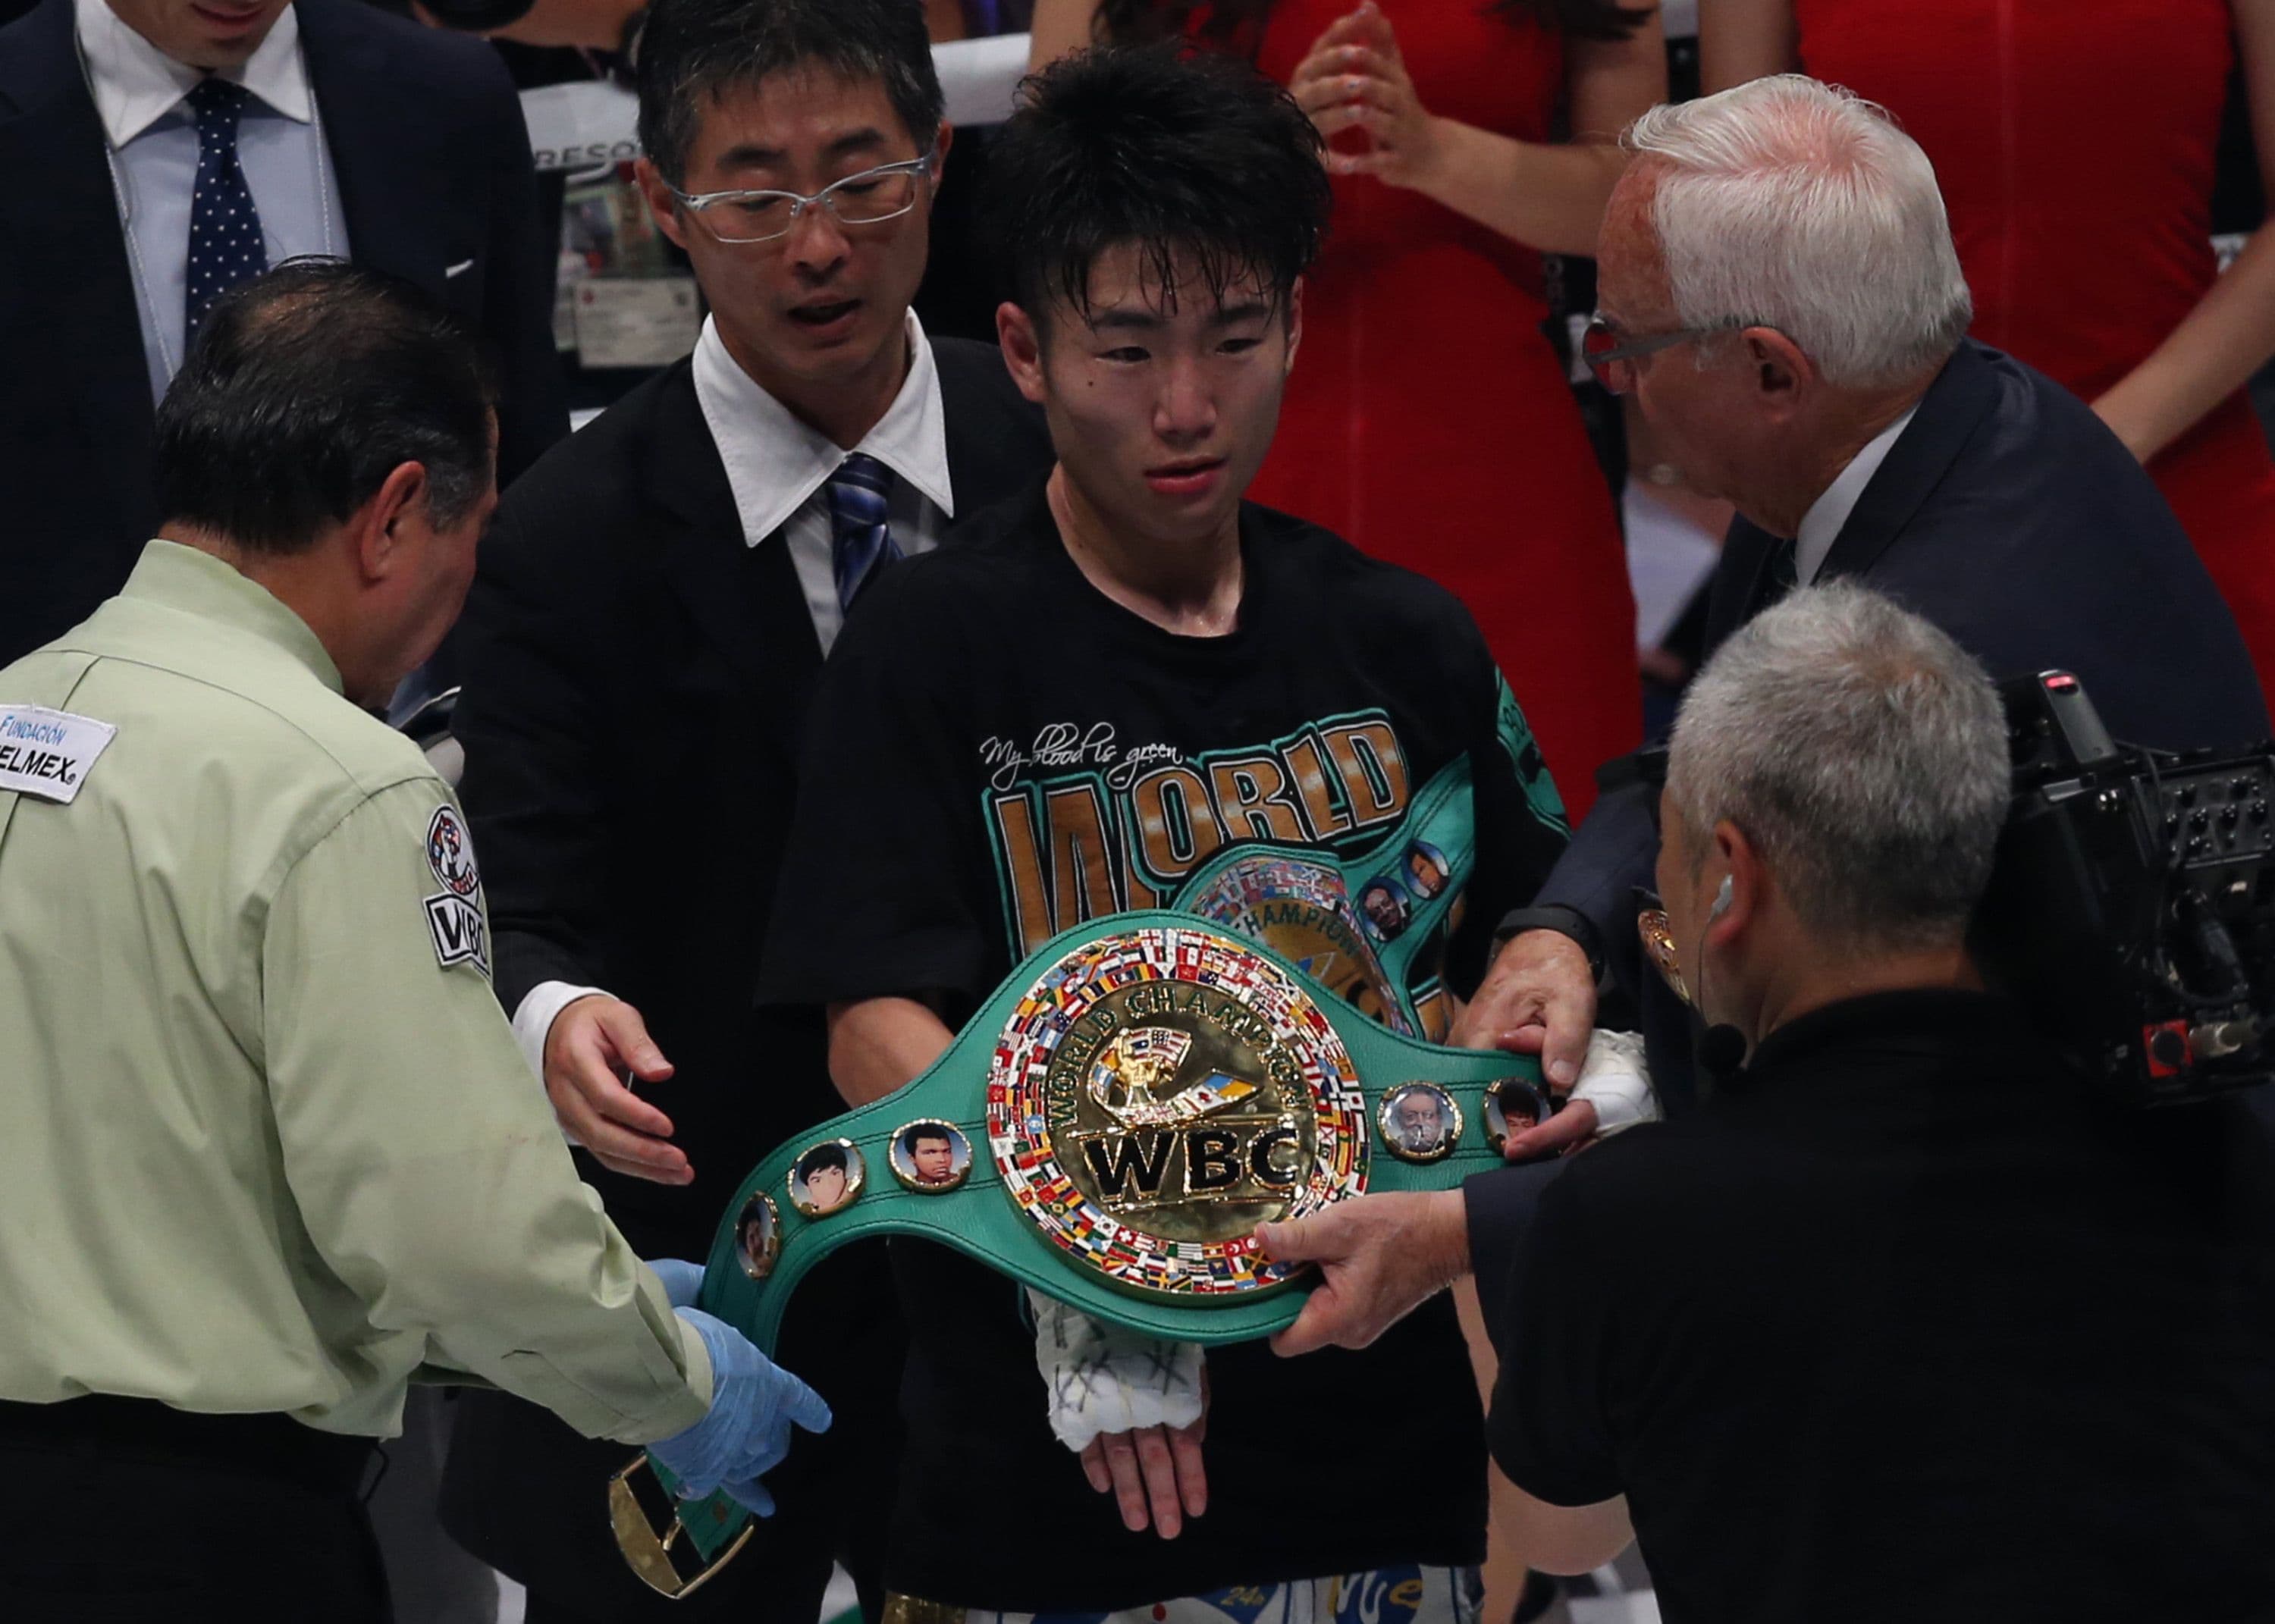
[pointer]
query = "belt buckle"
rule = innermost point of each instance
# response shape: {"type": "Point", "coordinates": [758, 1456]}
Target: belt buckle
{"type": "Point", "coordinates": [666, 1558]}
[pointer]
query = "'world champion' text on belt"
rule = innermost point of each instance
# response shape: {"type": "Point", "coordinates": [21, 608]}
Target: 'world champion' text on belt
{"type": "Point", "coordinates": [1178, 1107]}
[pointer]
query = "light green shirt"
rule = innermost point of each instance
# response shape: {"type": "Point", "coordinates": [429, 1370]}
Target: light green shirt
{"type": "Point", "coordinates": [266, 1141]}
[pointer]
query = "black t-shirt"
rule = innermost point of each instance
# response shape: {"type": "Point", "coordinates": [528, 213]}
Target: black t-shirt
{"type": "Point", "coordinates": [1905, 1326]}
{"type": "Point", "coordinates": [986, 766]}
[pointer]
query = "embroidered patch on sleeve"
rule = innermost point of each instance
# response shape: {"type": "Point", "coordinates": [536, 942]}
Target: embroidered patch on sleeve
{"type": "Point", "coordinates": [454, 914]}
{"type": "Point", "coordinates": [460, 932]}
{"type": "Point", "coordinates": [450, 852]}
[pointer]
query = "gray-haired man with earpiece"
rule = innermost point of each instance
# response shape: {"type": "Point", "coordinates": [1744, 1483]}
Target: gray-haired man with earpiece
{"type": "Point", "coordinates": [1869, 1334]}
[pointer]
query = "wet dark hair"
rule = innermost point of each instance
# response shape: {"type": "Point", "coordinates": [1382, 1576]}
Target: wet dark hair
{"type": "Point", "coordinates": [691, 50]}
{"type": "Point", "coordinates": [821, 1158]}
{"type": "Point", "coordinates": [305, 389]}
{"type": "Point", "coordinates": [1197, 158]}
{"type": "Point", "coordinates": [922, 1131]}
{"type": "Point", "coordinates": [1134, 21]}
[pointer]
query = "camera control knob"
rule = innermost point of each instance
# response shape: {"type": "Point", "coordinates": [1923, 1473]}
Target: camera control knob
{"type": "Point", "coordinates": [2169, 1048]}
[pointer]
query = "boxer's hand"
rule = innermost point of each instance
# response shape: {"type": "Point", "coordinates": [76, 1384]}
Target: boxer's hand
{"type": "Point", "coordinates": [1381, 1258]}
{"type": "Point", "coordinates": [591, 1043]}
{"type": "Point", "coordinates": [1539, 998]}
{"type": "Point", "coordinates": [1154, 1473]}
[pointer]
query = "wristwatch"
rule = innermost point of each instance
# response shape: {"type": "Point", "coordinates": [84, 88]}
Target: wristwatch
{"type": "Point", "coordinates": [1558, 917]}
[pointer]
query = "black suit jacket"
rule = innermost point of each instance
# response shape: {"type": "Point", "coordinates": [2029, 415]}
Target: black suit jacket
{"type": "Point", "coordinates": [432, 162]}
{"type": "Point", "coordinates": [2008, 514]}
{"type": "Point", "coordinates": [635, 692]}
{"type": "Point", "coordinates": [636, 683]}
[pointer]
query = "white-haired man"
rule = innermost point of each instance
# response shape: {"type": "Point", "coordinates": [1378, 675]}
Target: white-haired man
{"type": "Point", "coordinates": [1780, 293]}
{"type": "Point", "coordinates": [1864, 1337]}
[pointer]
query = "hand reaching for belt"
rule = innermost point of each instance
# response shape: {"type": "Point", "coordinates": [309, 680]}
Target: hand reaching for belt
{"type": "Point", "coordinates": [1539, 998]}
{"type": "Point", "coordinates": [594, 1044]}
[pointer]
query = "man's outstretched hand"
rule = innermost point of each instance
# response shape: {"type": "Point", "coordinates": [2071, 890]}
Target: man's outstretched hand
{"type": "Point", "coordinates": [1379, 1258]}
{"type": "Point", "coordinates": [592, 1044]}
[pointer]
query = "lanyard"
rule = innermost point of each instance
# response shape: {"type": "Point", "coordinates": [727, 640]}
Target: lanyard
{"type": "Point", "coordinates": [319, 174]}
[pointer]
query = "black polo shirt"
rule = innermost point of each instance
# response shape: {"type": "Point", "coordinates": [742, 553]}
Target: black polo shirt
{"type": "Point", "coordinates": [998, 752]}
{"type": "Point", "coordinates": [1904, 1326]}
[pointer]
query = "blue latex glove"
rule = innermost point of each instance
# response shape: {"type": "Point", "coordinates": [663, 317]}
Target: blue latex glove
{"type": "Point", "coordinates": [683, 1281]}
{"type": "Point", "coordinates": [754, 1403]}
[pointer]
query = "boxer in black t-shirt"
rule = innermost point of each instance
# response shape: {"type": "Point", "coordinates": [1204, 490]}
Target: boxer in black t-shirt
{"type": "Point", "coordinates": [1061, 717]}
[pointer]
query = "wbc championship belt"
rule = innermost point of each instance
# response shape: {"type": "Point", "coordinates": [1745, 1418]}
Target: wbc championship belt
{"type": "Point", "coordinates": [1112, 1126]}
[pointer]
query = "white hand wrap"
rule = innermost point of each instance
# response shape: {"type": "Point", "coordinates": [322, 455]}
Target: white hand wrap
{"type": "Point", "coordinates": [1614, 1081]}
{"type": "Point", "coordinates": [1102, 1379]}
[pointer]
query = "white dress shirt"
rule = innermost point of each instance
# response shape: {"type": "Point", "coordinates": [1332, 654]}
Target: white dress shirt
{"type": "Point", "coordinates": [776, 467]}
{"type": "Point", "coordinates": [1821, 525]}
{"type": "Point", "coordinates": [154, 162]}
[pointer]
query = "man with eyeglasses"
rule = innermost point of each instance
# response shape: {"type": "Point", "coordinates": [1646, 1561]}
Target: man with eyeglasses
{"type": "Point", "coordinates": [648, 620]}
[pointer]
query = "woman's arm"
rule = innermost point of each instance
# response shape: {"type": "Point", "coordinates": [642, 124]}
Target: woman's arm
{"type": "Point", "coordinates": [2231, 333]}
{"type": "Point", "coordinates": [1743, 39]}
{"type": "Point", "coordinates": [1550, 197]}
{"type": "Point", "coordinates": [1060, 27]}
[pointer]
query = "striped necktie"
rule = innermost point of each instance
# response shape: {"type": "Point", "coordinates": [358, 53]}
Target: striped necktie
{"type": "Point", "coordinates": [225, 242]}
{"type": "Point", "coordinates": [859, 539]}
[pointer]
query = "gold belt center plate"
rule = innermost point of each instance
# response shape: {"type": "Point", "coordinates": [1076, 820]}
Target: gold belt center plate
{"type": "Point", "coordinates": [1158, 1093]}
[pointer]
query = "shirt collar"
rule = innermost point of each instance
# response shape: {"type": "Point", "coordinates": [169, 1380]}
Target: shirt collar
{"type": "Point", "coordinates": [1821, 525]}
{"type": "Point", "coordinates": [197, 583]}
{"type": "Point", "coordinates": [1815, 1061]}
{"type": "Point", "coordinates": [775, 462]}
{"type": "Point", "coordinates": [136, 84]}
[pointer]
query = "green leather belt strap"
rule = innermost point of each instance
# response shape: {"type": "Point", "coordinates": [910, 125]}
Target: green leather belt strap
{"type": "Point", "coordinates": [1351, 1060]}
{"type": "Point", "coordinates": [1137, 1096]}
{"type": "Point", "coordinates": [1110, 1128]}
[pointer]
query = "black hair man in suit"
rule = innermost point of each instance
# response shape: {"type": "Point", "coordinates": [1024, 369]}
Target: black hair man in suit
{"type": "Point", "coordinates": [651, 612]}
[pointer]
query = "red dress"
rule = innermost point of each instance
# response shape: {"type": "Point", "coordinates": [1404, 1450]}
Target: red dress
{"type": "Point", "coordinates": [2075, 145]}
{"type": "Point", "coordinates": [1428, 422]}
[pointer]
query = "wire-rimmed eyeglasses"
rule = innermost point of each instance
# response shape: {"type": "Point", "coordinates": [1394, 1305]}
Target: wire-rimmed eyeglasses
{"type": "Point", "coordinates": [1604, 350]}
{"type": "Point", "coordinates": [869, 198]}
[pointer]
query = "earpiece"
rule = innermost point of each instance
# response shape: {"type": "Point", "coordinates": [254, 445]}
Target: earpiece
{"type": "Point", "coordinates": [1722, 899]}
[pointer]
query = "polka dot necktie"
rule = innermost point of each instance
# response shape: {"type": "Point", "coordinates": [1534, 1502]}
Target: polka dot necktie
{"type": "Point", "coordinates": [225, 241]}
{"type": "Point", "coordinates": [859, 538]}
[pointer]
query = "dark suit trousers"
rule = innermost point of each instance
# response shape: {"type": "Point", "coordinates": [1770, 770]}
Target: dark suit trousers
{"type": "Point", "coordinates": [97, 1534]}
